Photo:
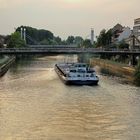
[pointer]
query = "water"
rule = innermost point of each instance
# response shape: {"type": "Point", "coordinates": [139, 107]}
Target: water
{"type": "Point", "coordinates": [36, 105]}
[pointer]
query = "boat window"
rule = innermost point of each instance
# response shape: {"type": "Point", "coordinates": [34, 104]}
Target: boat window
{"type": "Point", "coordinates": [78, 76]}
{"type": "Point", "coordinates": [81, 70]}
{"type": "Point", "coordinates": [91, 71]}
{"type": "Point", "coordinates": [87, 75]}
{"type": "Point", "coordinates": [69, 75]}
{"type": "Point", "coordinates": [72, 70]}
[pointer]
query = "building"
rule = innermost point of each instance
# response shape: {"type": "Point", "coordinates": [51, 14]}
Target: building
{"type": "Point", "coordinates": [134, 39]}
{"type": "Point", "coordinates": [126, 33]}
{"type": "Point", "coordinates": [136, 28]}
{"type": "Point", "coordinates": [120, 33]}
{"type": "Point", "coordinates": [116, 30]}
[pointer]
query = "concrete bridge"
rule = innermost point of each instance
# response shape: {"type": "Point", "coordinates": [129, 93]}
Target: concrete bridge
{"type": "Point", "coordinates": [66, 50]}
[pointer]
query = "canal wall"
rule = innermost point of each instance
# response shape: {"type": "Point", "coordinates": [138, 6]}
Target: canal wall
{"type": "Point", "coordinates": [113, 68]}
{"type": "Point", "coordinates": [6, 65]}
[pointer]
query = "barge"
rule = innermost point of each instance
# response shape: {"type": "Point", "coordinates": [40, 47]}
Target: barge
{"type": "Point", "coordinates": [76, 74]}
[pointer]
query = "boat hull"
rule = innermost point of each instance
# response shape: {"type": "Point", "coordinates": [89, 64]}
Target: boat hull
{"type": "Point", "coordinates": [79, 82]}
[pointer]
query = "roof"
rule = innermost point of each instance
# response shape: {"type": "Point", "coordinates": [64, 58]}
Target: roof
{"type": "Point", "coordinates": [117, 27]}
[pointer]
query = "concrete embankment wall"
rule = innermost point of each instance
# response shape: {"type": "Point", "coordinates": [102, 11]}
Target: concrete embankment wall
{"type": "Point", "coordinates": [5, 66]}
{"type": "Point", "coordinates": [116, 69]}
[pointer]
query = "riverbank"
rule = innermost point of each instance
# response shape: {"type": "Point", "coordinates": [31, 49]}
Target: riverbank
{"type": "Point", "coordinates": [5, 63]}
{"type": "Point", "coordinates": [114, 68]}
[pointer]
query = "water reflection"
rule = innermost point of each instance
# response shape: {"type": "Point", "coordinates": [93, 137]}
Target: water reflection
{"type": "Point", "coordinates": [36, 105]}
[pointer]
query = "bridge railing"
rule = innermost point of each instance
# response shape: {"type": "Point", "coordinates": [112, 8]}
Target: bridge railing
{"type": "Point", "coordinates": [55, 49]}
{"type": "Point", "coordinates": [46, 46]}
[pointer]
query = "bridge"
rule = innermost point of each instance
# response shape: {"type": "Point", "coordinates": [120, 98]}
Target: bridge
{"type": "Point", "coordinates": [66, 50]}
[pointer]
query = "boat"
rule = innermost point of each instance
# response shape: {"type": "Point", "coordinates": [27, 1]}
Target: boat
{"type": "Point", "coordinates": [76, 74]}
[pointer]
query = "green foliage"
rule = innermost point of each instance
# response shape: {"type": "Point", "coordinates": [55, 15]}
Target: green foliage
{"type": "Point", "coordinates": [70, 40]}
{"type": "Point", "coordinates": [87, 43]}
{"type": "Point", "coordinates": [78, 40]}
{"type": "Point", "coordinates": [35, 36]}
{"type": "Point", "coordinates": [75, 40]}
{"type": "Point", "coordinates": [58, 40]}
{"type": "Point", "coordinates": [45, 37]}
{"type": "Point", "coordinates": [104, 38]}
{"type": "Point", "coordinates": [123, 45]}
{"type": "Point", "coordinates": [101, 39]}
{"type": "Point", "coordinates": [15, 41]}
{"type": "Point", "coordinates": [64, 42]}
{"type": "Point", "coordinates": [108, 37]}
{"type": "Point", "coordinates": [137, 75]}
{"type": "Point", "coordinates": [44, 42]}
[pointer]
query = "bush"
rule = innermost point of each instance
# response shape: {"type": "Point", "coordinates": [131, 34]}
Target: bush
{"type": "Point", "coordinates": [123, 45]}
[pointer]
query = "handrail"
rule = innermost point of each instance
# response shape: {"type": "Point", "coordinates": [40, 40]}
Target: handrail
{"type": "Point", "coordinates": [65, 50]}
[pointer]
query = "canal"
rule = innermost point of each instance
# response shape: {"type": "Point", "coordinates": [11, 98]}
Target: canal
{"type": "Point", "coordinates": [36, 105]}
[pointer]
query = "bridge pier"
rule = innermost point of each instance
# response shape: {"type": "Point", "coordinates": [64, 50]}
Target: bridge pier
{"type": "Point", "coordinates": [133, 60]}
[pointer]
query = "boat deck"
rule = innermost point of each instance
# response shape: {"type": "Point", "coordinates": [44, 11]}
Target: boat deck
{"type": "Point", "coordinates": [64, 67]}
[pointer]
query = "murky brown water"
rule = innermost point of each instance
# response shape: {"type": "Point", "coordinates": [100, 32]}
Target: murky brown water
{"type": "Point", "coordinates": [36, 105]}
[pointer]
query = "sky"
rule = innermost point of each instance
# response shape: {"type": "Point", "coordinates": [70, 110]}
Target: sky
{"type": "Point", "coordinates": [67, 17]}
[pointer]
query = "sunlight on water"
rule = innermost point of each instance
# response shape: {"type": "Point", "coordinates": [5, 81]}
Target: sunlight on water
{"type": "Point", "coordinates": [36, 105]}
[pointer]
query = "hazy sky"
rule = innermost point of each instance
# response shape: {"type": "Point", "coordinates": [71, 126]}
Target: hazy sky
{"type": "Point", "coordinates": [67, 17]}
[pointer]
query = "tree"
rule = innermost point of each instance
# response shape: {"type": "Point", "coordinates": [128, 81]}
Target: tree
{"type": "Point", "coordinates": [104, 38]}
{"type": "Point", "coordinates": [70, 40]}
{"type": "Point", "coordinates": [87, 43]}
{"type": "Point", "coordinates": [36, 36]}
{"type": "Point", "coordinates": [44, 42]}
{"type": "Point", "coordinates": [101, 38]}
{"type": "Point", "coordinates": [15, 41]}
{"type": "Point", "coordinates": [123, 45]}
{"type": "Point", "coordinates": [108, 37]}
{"type": "Point", "coordinates": [58, 40]}
{"type": "Point", "coordinates": [78, 40]}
